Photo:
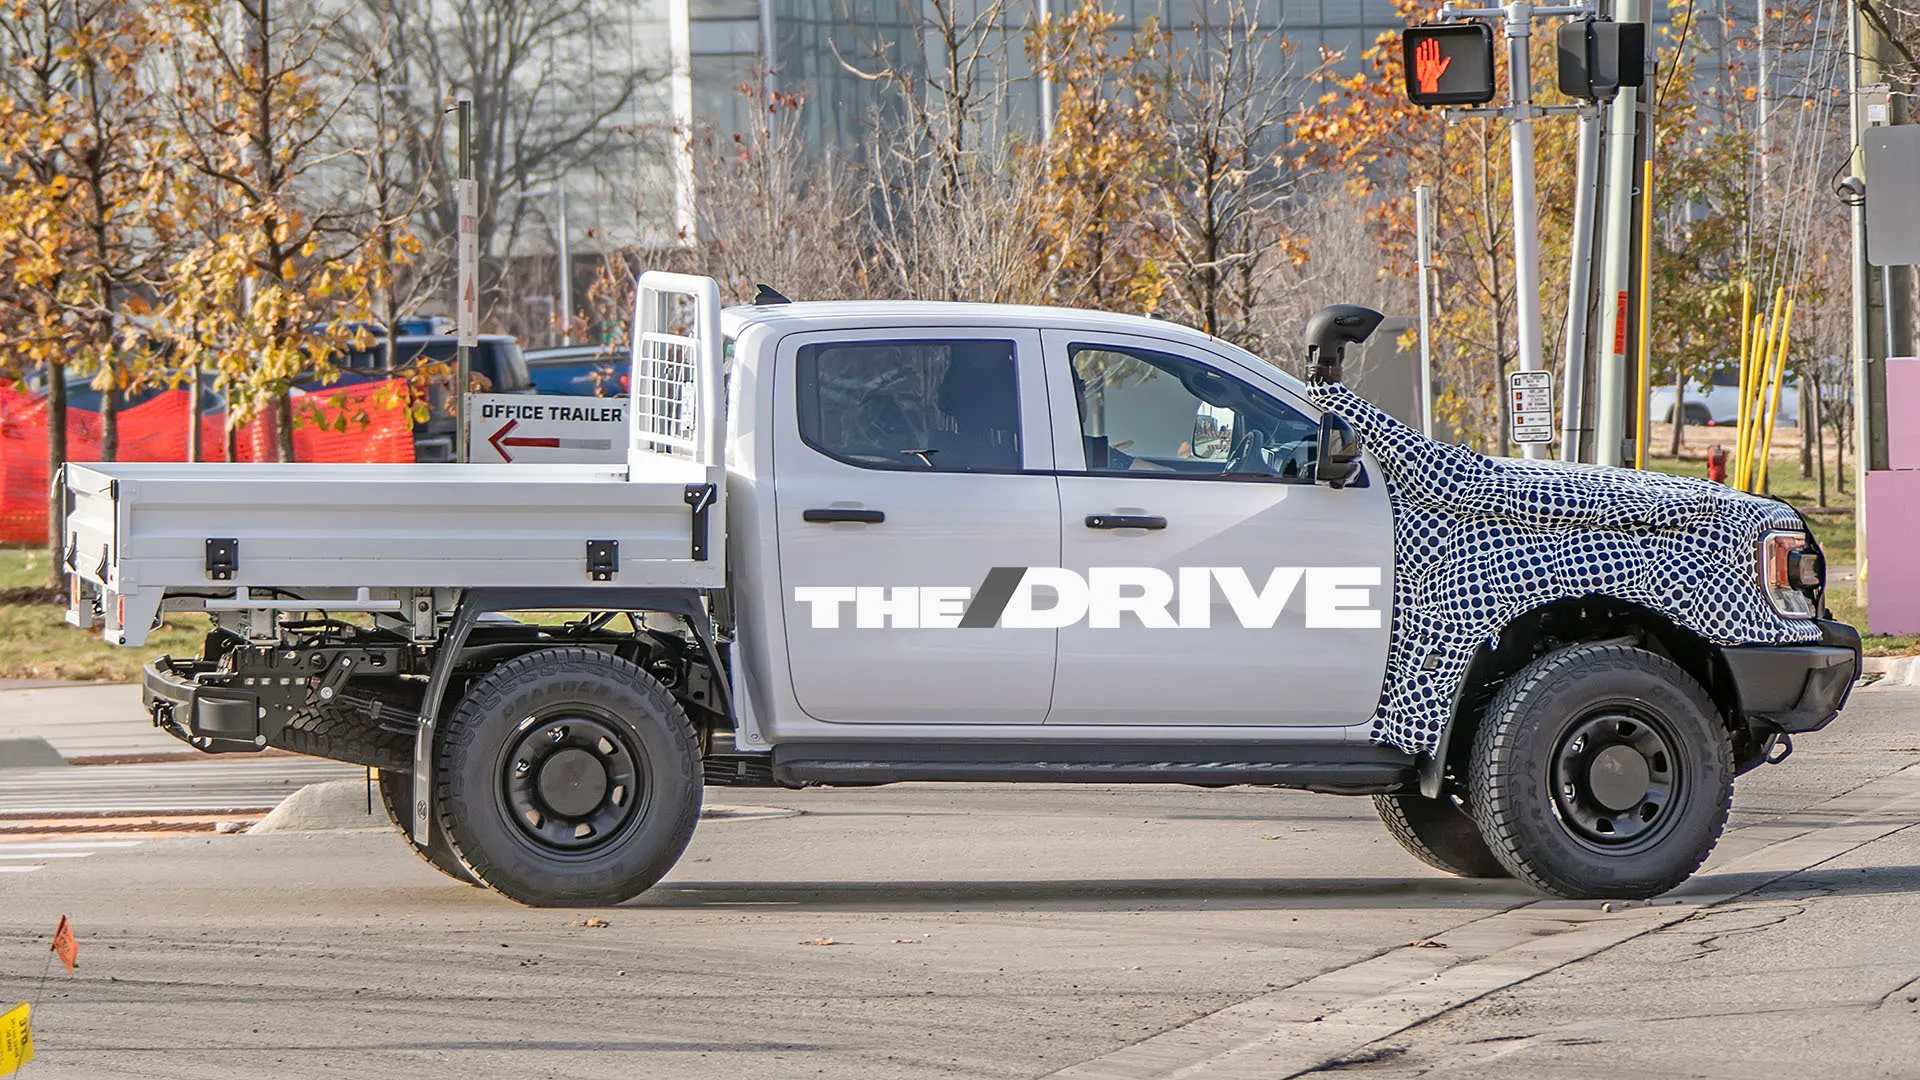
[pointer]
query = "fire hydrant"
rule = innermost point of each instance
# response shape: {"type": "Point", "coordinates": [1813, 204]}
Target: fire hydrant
{"type": "Point", "coordinates": [1717, 464]}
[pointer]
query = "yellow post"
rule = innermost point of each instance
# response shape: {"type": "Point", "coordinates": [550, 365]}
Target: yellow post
{"type": "Point", "coordinates": [1646, 306]}
{"type": "Point", "coordinates": [1763, 354]}
{"type": "Point", "coordinates": [1773, 405]}
{"type": "Point", "coordinates": [1749, 387]}
{"type": "Point", "coordinates": [1740, 411]}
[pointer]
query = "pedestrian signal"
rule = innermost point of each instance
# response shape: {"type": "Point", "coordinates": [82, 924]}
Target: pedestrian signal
{"type": "Point", "coordinates": [1450, 64]}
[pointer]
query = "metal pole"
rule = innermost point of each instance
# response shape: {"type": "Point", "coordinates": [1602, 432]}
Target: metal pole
{"type": "Point", "coordinates": [1423, 225]}
{"type": "Point", "coordinates": [1763, 105]}
{"type": "Point", "coordinates": [1579, 284]}
{"type": "Point", "coordinates": [463, 368]}
{"type": "Point", "coordinates": [1526, 214]}
{"type": "Point", "coordinates": [1046, 78]}
{"type": "Point", "coordinates": [566, 269]}
{"type": "Point", "coordinates": [1616, 262]}
{"type": "Point", "coordinates": [1862, 318]}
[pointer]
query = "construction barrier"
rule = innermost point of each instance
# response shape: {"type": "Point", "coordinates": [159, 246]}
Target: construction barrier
{"type": "Point", "coordinates": [362, 422]}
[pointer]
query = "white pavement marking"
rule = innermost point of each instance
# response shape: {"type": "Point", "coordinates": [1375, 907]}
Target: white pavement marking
{"type": "Point", "coordinates": [208, 787]}
{"type": "Point", "coordinates": [1311, 1024]}
{"type": "Point", "coordinates": [39, 851]}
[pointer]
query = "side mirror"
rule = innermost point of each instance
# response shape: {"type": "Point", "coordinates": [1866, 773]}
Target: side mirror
{"type": "Point", "coordinates": [1338, 459]}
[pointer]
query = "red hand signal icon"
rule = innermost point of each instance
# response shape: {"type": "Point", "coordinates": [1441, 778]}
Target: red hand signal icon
{"type": "Point", "coordinates": [1428, 66]}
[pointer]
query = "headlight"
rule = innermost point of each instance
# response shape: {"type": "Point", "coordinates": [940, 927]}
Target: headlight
{"type": "Point", "coordinates": [1791, 572]}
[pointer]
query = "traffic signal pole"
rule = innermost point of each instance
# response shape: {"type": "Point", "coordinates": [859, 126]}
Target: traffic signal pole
{"type": "Point", "coordinates": [1520, 112]}
{"type": "Point", "coordinates": [1616, 262]}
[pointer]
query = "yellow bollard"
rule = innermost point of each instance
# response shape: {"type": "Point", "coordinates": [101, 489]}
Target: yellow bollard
{"type": "Point", "coordinates": [1740, 410]}
{"type": "Point", "coordinates": [1773, 406]}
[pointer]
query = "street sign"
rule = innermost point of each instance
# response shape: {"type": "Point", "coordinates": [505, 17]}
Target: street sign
{"type": "Point", "coordinates": [547, 430]}
{"type": "Point", "coordinates": [1530, 406]}
{"type": "Point", "coordinates": [1450, 64]}
{"type": "Point", "coordinates": [467, 247]}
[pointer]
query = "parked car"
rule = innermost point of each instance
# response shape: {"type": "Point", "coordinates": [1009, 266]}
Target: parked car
{"type": "Point", "coordinates": [1717, 401]}
{"type": "Point", "coordinates": [580, 370]}
{"type": "Point", "coordinates": [496, 362]}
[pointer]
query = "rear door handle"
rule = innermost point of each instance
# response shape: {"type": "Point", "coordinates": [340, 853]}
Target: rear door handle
{"type": "Point", "coordinates": [838, 515]}
{"type": "Point", "coordinates": [1125, 521]}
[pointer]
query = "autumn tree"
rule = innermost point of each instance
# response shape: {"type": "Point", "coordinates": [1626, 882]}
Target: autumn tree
{"type": "Point", "coordinates": [1103, 163]}
{"type": "Point", "coordinates": [85, 209]}
{"type": "Point", "coordinates": [251, 113]}
{"type": "Point", "coordinates": [1224, 178]}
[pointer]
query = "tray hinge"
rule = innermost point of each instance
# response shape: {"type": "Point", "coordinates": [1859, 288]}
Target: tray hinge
{"type": "Point", "coordinates": [603, 559]}
{"type": "Point", "coordinates": [223, 557]}
{"type": "Point", "coordinates": [700, 498]}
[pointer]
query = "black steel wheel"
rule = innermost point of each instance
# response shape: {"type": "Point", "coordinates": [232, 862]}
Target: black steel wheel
{"type": "Point", "coordinates": [1439, 833]}
{"type": "Point", "coordinates": [396, 794]}
{"type": "Point", "coordinates": [568, 777]}
{"type": "Point", "coordinates": [1601, 772]}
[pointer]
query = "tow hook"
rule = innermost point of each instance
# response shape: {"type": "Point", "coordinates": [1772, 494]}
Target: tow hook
{"type": "Point", "coordinates": [1779, 748]}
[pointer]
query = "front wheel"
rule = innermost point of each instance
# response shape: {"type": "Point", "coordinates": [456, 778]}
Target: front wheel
{"type": "Point", "coordinates": [568, 777]}
{"type": "Point", "coordinates": [1601, 772]}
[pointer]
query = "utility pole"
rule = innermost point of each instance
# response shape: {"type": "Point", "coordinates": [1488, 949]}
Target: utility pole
{"type": "Point", "coordinates": [1763, 101]}
{"type": "Point", "coordinates": [466, 303]}
{"type": "Point", "coordinates": [1883, 317]}
{"type": "Point", "coordinates": [1580, 284]}
{"type": "Point", "coordinates": [558, 193]}
{"type": "Point", "coordinates": [1616, 265]}
{"type": "Point", "coordinates": [1043, 16]}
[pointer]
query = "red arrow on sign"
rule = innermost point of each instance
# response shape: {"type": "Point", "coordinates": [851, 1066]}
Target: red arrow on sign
{"type": "Point", "coordinates": [501, 442]}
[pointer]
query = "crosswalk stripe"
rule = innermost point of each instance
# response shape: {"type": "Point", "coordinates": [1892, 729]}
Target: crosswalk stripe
{"type": "Point", "coordinates": [68, 845]}
{"type": "Point", "coordinates": [38, 855]}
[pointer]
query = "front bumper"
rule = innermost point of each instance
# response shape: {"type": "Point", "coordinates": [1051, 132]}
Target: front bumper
{"type": "Point", "coordinates": [1797, 688]}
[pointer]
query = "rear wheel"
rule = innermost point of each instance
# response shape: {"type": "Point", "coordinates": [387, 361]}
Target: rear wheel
{"type": "Point", "coordinates": [1439, 833]}
{"type": "Point", "coordinates": [1601, 772]}
{"type": "Point", "coordinates": [396, 794]}
{"type": "Point", "coordinates": [568, 777]}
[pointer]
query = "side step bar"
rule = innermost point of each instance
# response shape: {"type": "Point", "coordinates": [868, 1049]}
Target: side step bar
{"type": "Point", "coordinates": [1346, 769]}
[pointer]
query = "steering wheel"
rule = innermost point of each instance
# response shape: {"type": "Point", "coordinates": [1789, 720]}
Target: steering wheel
{"type": "Point", "coordinates": [1250, 454]}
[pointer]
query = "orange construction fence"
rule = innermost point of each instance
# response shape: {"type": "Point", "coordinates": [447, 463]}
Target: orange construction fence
{"type": "Point", "coordinates": [361, 422]}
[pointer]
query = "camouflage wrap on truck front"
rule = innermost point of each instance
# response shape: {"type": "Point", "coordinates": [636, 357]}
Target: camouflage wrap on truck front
{"type": "Point", "coordinates": [1479, 541]}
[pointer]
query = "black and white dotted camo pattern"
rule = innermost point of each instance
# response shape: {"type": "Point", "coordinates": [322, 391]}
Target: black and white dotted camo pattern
{"type": "Point", "coordinates": [1479, 541]}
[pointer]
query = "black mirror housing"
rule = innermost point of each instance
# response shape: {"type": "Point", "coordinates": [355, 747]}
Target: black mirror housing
{"type": "Point", "coordinates": [1338, 460]}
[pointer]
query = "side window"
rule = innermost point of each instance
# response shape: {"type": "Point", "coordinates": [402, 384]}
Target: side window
{"type": "Point", "coordinates": [1146, 411]}
{"type": "Point", "coordinates": [940, 406]}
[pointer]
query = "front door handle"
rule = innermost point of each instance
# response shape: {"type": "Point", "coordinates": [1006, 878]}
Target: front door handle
{"type": "Point", "coordinates": [837, 515]}
{"type": "Point", "coordinates": [1126, 521]}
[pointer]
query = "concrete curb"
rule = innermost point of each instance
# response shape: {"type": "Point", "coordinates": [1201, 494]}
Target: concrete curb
{"type": "Point", "coordinates": [329, 806]}
{"type": "Point", "coordinates": [29, 752]}
{"type": "Point", "coordinates": [1893, 670]}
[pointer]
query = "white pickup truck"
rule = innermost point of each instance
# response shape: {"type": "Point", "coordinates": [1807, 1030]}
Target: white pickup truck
{"type": "Point", "coordinates": [862, 543]}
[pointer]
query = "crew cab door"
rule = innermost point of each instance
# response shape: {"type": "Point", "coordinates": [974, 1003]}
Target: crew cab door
{"type": "Point", "coordinates": [908, 463]}
{"type": "Point", "coordinates": [1187, 503]}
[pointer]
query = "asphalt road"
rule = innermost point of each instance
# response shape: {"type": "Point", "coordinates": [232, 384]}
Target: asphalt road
{"type": "Point", "coordinates": [923, 931]}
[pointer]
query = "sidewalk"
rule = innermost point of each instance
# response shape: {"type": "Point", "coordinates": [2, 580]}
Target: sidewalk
{"type": "Point", "coordinates": [83, 720]}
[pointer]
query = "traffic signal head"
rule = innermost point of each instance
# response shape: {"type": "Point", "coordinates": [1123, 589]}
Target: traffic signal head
{"type": "Point", "coordinates": [1449, 64]}
{"type": "Point", "coordinates": [1597, 58]}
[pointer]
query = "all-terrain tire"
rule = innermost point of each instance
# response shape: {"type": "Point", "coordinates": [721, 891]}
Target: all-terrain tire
{"type": "Point", "coordinates": [568, 777]}
{"type": "Point", "coordinates": [346, 729]}
{"type": "Point", "coordinates": [396, 794]}
{"type": "Point", "coordinates": [1553, 812]}
{"type": "Point", "coordinates": [1438, 833]}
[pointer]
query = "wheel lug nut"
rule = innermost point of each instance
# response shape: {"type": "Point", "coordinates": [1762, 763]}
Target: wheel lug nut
{"type": "Point", "coordinates": [521, 767]}
{"type": "Point", "coordinates": [1577, 745]}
